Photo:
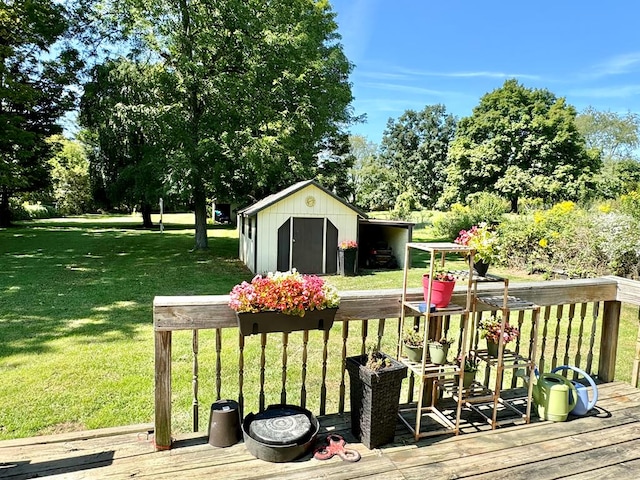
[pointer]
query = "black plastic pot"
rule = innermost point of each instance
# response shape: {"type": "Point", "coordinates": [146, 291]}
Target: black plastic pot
{"type": "Point", "coordinates": [281, 433]}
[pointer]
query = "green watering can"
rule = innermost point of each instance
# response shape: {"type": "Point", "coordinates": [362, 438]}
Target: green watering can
{"type": "Point", "coordinates": [554, 395]}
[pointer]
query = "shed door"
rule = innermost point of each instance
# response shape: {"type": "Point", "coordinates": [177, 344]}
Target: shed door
{"type": "Point", "coordinates": [307, 240]}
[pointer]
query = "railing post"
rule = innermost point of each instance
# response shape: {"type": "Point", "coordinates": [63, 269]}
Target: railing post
{"type": "Point", "coordinates": [609, 341]}
{"type": "Point", "coordinates": [163, 390]}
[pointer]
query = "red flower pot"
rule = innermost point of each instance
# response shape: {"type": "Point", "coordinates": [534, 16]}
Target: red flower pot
{"type": "Point", "coordinates": [442, 291]}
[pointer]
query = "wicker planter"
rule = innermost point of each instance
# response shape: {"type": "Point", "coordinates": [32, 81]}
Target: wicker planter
{"type": "Point", "coordinates": [268, 322]}
{"type": "Point", "coordinates": [374, 400]}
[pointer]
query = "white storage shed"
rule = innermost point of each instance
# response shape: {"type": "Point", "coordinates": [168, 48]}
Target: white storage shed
{"type": "Point", "coordinates": [299, 227]}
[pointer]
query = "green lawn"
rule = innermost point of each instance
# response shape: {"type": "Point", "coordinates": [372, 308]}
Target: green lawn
{"type": "Point", "coordinates": [76, 337]}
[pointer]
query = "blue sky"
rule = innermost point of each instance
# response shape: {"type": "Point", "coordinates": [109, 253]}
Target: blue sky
{"type": "Point", "coordinates": [413, 53]}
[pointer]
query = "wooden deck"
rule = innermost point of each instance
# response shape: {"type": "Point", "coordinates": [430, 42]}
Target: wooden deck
{"type": "Point", "coordinates": [605, 444]}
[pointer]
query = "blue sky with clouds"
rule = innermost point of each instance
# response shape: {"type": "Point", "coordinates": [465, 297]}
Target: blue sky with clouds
{"type": "Point", "coordinates": [413, 53]}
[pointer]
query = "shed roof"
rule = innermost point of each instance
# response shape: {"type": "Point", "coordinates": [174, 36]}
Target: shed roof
{"type": "Point", "coordinates": [276, 197]}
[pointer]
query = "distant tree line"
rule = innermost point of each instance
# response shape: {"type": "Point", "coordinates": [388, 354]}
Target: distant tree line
{"type": "Point", "coordinates": [517, 143]}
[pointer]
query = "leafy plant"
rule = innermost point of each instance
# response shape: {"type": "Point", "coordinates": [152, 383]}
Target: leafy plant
{"type": "Point", "coordinates": [482, 239]}
{"type": "Point", "coordinates": [377, 360]}
{"type": "Point", "coordinates": [444, 341]}
{"type": "Point", "coordinates": [490, 329]}
{"type": "Point", "coordinates": [413, 338]}
{"type": "Point", "coordinates": [471, 364]}
{"type": "Point", "coordinates": [442, 275]}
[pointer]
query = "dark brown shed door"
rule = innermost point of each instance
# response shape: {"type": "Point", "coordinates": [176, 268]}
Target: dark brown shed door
{"type": "Point", "coordinates": [307, 242]}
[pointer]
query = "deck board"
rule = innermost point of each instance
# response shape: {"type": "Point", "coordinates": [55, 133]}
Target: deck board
{"type": "Point", "coordinates": [605, 444]}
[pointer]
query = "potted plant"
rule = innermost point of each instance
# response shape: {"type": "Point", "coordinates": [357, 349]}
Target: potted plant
{"type": "Point", "coordinates": [469, 368]}
{"type": "Point", "coordinates": [483, 240]}
{"type": "Point", "coordinates": [413, 344]}
{"type": "Point", "coordinates": [490, 328]}
{"type": "Point", "coordinates": [438, 350]}
{"type": "Point", "coordinates": [284, 302]}
{"type": "Point", "coordinates": [375, 383]}
{"type": "Point", "coordinates": [441, 285]}
{"type": "Point", "coordinates": [347, 257]}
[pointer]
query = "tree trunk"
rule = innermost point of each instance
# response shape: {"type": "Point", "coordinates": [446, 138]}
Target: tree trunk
{"type": "Point", "coordinates": [146, 215]}
{"type": "Point", "coordinates": [5, 213]}
{"type": "Point", "coordinates": [200, 201]}
{"type": "Point", "coordinates": [514, 204]}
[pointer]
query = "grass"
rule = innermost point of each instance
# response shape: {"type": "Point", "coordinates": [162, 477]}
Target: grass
{"type": "Point", "coordinates": [76, 348]}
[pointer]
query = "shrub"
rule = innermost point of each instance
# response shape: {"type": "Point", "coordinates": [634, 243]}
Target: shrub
{"type": "Point", "coordinates": [630, 204]}
{"type": "Point", "coordinates": [569, 240]}
{"type": "Point", "coordinates": [481, 207]}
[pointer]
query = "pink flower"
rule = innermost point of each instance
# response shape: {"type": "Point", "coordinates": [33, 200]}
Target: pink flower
{"type": "Point", "coordinates": [286, 292]}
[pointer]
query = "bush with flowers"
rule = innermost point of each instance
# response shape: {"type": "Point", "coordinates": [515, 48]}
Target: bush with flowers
{"type": "Point", "coordinates": [482, 239]}
{"type": "Point", "coordinates": [490, 329]}
{"type": "Point", "coordinates": [288, 292]}
{"type": "Point", "coordinates": [348, 245]}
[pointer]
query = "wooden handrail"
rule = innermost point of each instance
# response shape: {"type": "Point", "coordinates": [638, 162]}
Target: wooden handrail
{"type": "Point", "coordinates": [212, 312]}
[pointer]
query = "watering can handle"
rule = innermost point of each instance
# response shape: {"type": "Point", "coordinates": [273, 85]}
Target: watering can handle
{"type": "Point", "coordinates": [594, 388]}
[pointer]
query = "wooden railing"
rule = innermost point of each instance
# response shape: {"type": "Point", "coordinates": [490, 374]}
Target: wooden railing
{"type": "Point", "coordinates": [574, 312]}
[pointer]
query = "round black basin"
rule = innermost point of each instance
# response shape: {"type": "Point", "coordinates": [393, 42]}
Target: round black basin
{"type": "Point", "coordinates": [281, 433]}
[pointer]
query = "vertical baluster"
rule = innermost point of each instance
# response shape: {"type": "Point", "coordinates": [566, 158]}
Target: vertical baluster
{"type": "Point", "coordinates": [194, 347]}
{"type": "Point", "coordinates": [263, 356]}
{"type": "Point", "coordinates": [635, 373]}
{"type": "Point", "coordinates": [583, 316]}
{"type": "Point", "coordinates": [303, 388]}
{"type": "Point", "coordinates": [241, 373]}
{"type": "Point", "coordinates": [283, 393]}
{"type": "Point", "coordinates": [592, 337]}
{"type": "Point", "coordinates": [218, 363]}
{"type": "Point", "coordinates": [545, 329]}
{"type": "Point", "coordinates": [365, 332]}
{"type": "Point", "coordinates": [556, 342]}
{"type": "Point", "coordinates": [323, 387]}
{"type": "Point", "coordinates": [380, 332]}
{"type": "Point", "coordinates": [399, 349]}
{"type": "Point", "coordinates": [567, 347]}
{"type": "Point", "coordinates": [514, 379]}
{"type": "Point", "coordinates": [345, 337]}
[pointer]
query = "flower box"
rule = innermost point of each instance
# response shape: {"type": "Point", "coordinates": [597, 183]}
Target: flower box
{"type": "Point", "coordinates": [272, 321]}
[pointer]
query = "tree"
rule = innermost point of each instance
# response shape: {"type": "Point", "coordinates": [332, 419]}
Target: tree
{"type": "Point", "coordinates": [363, 152]}
{"type": "Point", "coordinates": [70, 175]}
{"type": "Point", "coordinates": [123, 108]}
{"type": "Point", "coordinates": [35, 72]}
{"type": "Point", "coordinates": [335, 163]}
{"type": "Point", "coordinates": [615, 136]}
{"type": "Point", "coordinates": [259, 86]}
{"type": "Point", "coordinates": [520, 142]}
{"type": "Point", "coordinates": [415, 148]}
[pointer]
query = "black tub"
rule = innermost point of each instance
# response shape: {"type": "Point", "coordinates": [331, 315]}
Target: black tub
{"type": "Point", "coordinates": [281, 433]}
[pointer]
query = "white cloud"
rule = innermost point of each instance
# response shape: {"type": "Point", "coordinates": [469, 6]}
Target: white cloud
{"type": "Point", "coordinates": [618, 65]}
{"type": "Point", "coordinates": [622, 91]}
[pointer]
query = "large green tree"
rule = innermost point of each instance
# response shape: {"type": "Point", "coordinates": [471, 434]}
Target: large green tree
{"type": "Point", "coordinates": [35, 72]}
{"type": "Point", "coordinates": [520, 142]}
{"type": "Point", "coordinates": [260, 87]}
{"type": "Point", "coordinates": [123, 107]}
{"type": "Point", "coordinates": [415, 148]}
{"type": "Point", "coordinates": [616, 136]}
